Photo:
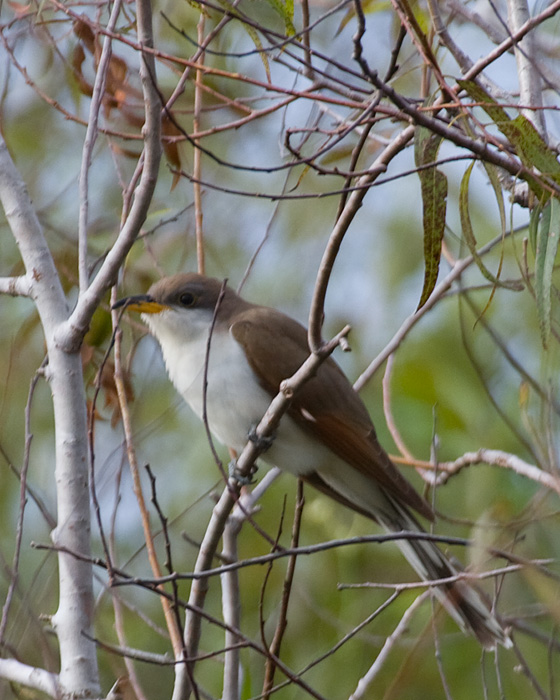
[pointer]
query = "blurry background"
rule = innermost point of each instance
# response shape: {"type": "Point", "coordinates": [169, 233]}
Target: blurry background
{"type": "Point", "coordinates": [471, 374]}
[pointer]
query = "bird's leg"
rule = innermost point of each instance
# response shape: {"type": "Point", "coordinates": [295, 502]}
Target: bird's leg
{"type": "Point", "coordinates": [242, 479]}
{"type": "Point", "coordinates": [262, 443]}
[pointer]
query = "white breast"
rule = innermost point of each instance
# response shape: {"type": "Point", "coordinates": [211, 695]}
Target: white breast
{"type": "Point", "coordinates": [234, 401]}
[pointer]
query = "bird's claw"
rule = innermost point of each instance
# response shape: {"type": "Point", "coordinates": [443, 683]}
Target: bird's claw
{"type": "Point", "coordinates": [263, 442]}
{"type": "Point", "coordinates": [242, 479]}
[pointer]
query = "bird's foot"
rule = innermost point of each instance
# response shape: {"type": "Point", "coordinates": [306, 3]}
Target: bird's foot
{"type": "Point", "coordinates": [242, 479]}
{"type": "Point", "coordinates": [262, 442]}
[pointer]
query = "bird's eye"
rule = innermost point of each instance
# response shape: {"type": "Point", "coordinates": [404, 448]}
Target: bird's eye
{"type": "Point", "coordinates": [187, 299]}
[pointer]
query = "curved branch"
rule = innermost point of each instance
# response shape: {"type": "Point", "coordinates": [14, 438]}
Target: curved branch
{"type": "Point", "coordinates": [71, 333]}
{"type": "Point", "coordinates": [92, 131]}
{"type": "Point", "coordinates": [341, 227]}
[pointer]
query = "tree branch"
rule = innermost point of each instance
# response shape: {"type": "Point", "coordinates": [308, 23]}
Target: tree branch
{"type": "Point", "coordinates": [530, 88]}
{"type": "Point", "coordinates": [31, 677]}
{"type": "Point", "coordinates": [89, 143]}
{"type": "Point", "coordinates": [339, 231]}
{"type": "Point", "coordinates": [16, 286]}
{"type": "Point", "coordinates": [71, 333]}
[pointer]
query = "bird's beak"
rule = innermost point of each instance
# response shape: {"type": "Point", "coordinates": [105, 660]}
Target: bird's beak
{"type": "Point", "coordinates": [143, 303]}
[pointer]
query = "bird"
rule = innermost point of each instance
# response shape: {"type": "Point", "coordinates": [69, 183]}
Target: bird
{"type": "Point", "coordinates": [326, 437]}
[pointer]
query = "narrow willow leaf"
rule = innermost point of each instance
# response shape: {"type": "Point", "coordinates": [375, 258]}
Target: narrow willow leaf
{"type": "Point", "coordinates": [492, 172]}
{"type": "Point", "coordinates": [433, 185]}
{"type": "Point", "coordinates": [534, 220]}
{"type": "Point", "coordinates": [466, 225]}
{"type": "Point", "coordinates": [470, 238]}
{"type": "Point", "coordinates": [290, 28]}
{"type": "Point", "coordinates": [263, 55]}
{"type": "Point", "coordinates": [532, 149]}
{"type": "Point", "coordinates": [496, 113]}
{"type": "Point", "coordinates": [286, 11]}
{"type": "Point", "coordinates": [253, 35]}
{"type": "Point", "coordinates": [548, 234]}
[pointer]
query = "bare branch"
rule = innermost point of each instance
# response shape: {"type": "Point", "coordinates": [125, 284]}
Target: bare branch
{"type": "Point", "coordinates": [197, 156]}
{"type": "Point", "coordinates": [506, 461]}
{"type": "Point", "coordinates": [231, 606]}
{"type": "Point", "coordinates": [72, 332]}
{"type": "Point", "coordinates": [341, 227]}
{"type": "Point", "coordinates": [36, 678]}
{"type": "Point", "coordinates": [514, 38]}
{"type": "Point", "coordinates": [282, 621]}
{"type": "Point", "coordinates": [174, 631]}
{"type": "Point", "coordinates": [16, 286]}
{"type": "Point", "coordinates": [89, 143]}
{"type": "Point", "coordinates": [525, 55]}
{"type": "Point", "coordinates": [22, 504]}
{"type": "Point", "coordinates": [42, 279]}
{"type": "Point", "coordinates": [365, 682]}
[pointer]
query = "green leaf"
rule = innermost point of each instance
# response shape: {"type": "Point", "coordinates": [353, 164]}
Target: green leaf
{"type": "Point", "coordinates": [466, 224]}
{"type": "Point", "coordinates": [468, 232]}
{"type": "Point", "coordinates": [534, 220]}
{"type": "Point", "coordinates": [492, 172]}
{"type": "Point", "coordinates": [496, 113]}
{"type": "Point", "coordinates": [547, 235]}
{"type": "Point", "coordinates": [262, 53]}
{"type": "Point", "coordinates": [252, 32]}
{"type": "Point", "coordinates": [532, 149]}
{"type": "Point", "coordinates": [285, 8]}
{"type": "Point", "coordinates": [433, 185]}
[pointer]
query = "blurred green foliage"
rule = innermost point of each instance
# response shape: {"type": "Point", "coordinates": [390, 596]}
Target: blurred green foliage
{"type": "Point", "coordinates": [448, 380]}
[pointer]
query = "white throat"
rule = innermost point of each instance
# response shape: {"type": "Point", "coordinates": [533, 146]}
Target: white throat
{"type": "Point", "coordinates": [235, 402]}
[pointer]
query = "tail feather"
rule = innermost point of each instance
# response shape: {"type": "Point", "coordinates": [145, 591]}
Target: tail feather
{"type": "Point", "coordinates": [465, 602]}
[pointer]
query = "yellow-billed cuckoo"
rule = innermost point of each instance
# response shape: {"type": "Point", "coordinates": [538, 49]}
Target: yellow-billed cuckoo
{"type": "Point", "coordinates": [326, 437]}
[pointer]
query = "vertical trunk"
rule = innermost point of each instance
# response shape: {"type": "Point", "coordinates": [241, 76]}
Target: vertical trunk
{"type": "Point", "coordinates": [72, 621]}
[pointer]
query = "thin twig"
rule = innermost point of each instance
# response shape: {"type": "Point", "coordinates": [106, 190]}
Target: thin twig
{"type": "Point", "coordinates": [388, 412]}
{"type": "Point", "coordinates": [282, 621]}
{"type": "Point", "coordinates": [174, 631]}
{"type": "Point", "coordinates": [231, 607]}
{"type": "Point", "coordinates": [307, 550]}
{"type": "Point", "coordinates": [92, 133]}
{"type": "Point", "coordinates": [197, 155]}
{"type": "Point", "coordinates": [366, 681]}
{"type": "Point", "coordinates": [440, 290]}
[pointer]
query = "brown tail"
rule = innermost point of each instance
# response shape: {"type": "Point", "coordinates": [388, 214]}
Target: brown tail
{"type": "Point", "coordinates": [463, 601]}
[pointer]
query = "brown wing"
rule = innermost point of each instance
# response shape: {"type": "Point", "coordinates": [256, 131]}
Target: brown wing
{"type": "Point", "coordinates": [327, 405]}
